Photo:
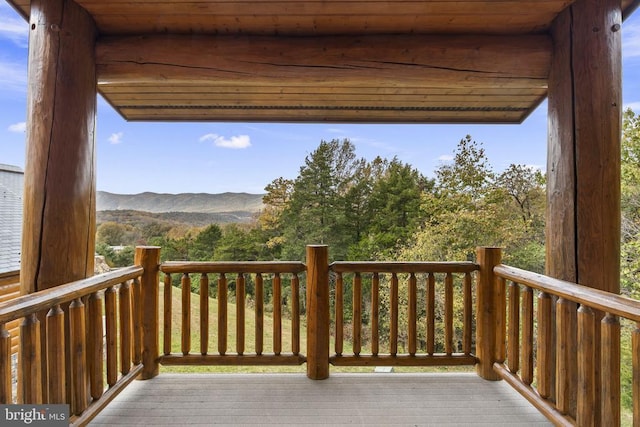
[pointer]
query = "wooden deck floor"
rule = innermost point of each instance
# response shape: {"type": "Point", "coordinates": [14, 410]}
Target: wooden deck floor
{"type": "Point", "coordinates": [343, 399]}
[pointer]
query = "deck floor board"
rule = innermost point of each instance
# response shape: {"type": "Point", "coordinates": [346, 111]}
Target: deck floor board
{"type": "Point", "coordinates": [343, 399]}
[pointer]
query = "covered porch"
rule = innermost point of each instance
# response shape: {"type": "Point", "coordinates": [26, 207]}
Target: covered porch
{"type": "Point", "coordinates": [554, 339]}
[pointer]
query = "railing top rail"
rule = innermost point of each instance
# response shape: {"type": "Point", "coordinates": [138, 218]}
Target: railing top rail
{"type": "Point", "coordinates": [42, 300]}
{"type": "Point", "coordinates": [601, 300]}
{"type": "Point", "coordinates": [232, 267]}
{"type": "Point", "coordinates": [404, 267]}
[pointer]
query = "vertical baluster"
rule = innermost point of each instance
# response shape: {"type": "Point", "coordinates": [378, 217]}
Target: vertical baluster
{"type": "Point", "coordinates": [339, 314]}
{"type": "Point", "coordinates": [545, 371]}
{"type": "Point", "coordinates": [467, 337]}
{"type": "Point", "coordinates": [30, 362]}
{"type": "Point", "coordinates": [635, 351]}
{"type": "Point", "coordinates": [295, 314]}
{"type": "Point", "coordinates": [111, 334]}
{"type": "Point", "coordinates": [566, 373]}
{"type": "Point", "coordinates": [95, 347]}
{"type": "Point", "coordinates": [240, 291]}
{"type": "Point", "coordinates": [431, 314]}
{"type": "Point", "coordinates": [259, 314]}
{"type": "Point", "coordinates": [610, 371]}
{"type": "Point", "coordinates": [277, 314]}
{"type": "Point", "coordinates": [413, 306]}
{"type": "Point", "coordinates": [136, 307]}
{"type": "Point", "coordinates": [204, 313]}
{"type": "Point", "coordinates": [5, 366]}
{"type": "Point", "coordinates": [56, 355]}
{"type": "Point", "coordinates": [357, 314]}
{"type": "Point", "coordinates": [513, 352]}
{"type": "Point", "coordinates": [585, 415]}
{"type": "Point", "coordinates": [393, 339]}
{"type": "Point", "coordinates": [375, 314]}
{"type": "Point", "coordinates": [77, 324]}
{"type": "Point", "coordinates": [166, 329]}
{"type": "Point", "coordinates": [125, 328]}
{"type": "Point", "coordinates": [448, 313]}
{"type": "Point", "coordinates": [222, 314]}
{"type": "Point", "coordinates": [185, 283]}
{"type": "Point", "coordinates": [527, 336]}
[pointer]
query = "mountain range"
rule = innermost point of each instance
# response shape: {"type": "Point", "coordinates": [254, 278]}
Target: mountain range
{"type": "Point", "coordinates": [183, 202]}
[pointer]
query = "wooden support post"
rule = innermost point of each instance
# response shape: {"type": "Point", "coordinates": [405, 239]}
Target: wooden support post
{"type": "Point", "coordinates": [58, 238]}
{"type": "Point", "coordinates": [317, 312]}
{"type": "Point", "coordinates": [583, 161]}
{"type": "Point", "coordinates": [491, 313]}
{"type": "Point", "coordinates": [149, 258]}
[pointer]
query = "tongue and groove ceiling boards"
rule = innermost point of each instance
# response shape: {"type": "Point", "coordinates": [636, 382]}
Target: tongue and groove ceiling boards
{"type": "Point", "coordinates": [396, 61]}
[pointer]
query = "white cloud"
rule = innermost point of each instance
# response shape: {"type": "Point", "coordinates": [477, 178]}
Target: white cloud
{"type": "Point", "coordinates": [13, 27]}
{"type": "Point", "coordinates": [336, 130]}
{"type": "Point", "coordinates": [18, 127]}
{"type": "Point", "coordinates": [234, 142]}
{"type": "Point", "coordinates": [445, 158]}
{"type": "Point", "coordinates": [631, 40]}
{"type": "Point", "coordinates": [116, 138]}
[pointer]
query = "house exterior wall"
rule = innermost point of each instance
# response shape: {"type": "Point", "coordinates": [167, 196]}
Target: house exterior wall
{"type": "Point", "coordinates": [11, 189]}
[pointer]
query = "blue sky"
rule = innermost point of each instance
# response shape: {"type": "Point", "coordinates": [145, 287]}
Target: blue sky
{"type": "Point", "coordinates": [244, 157]}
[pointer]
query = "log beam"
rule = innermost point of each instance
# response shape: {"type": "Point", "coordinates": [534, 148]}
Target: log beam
{"type": "Point", "coordinates": [427, 60]}
{"type": "Point", "coordinates": [58, 240]}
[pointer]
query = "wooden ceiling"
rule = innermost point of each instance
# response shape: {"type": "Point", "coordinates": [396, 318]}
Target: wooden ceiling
{"type": "Point", "coordinates": [360, 61]}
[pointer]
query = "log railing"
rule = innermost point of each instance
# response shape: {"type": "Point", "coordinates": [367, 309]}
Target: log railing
{"type": "Point", "coordinates": [68, 353]}
{"type": "Point", "coordinates": [265, 278]}
{"type": "Point", "coordinates": [10, 289]}
{"type": "Point", "coordinates": [427, 291]}
{"type": "Point", "coordinates": [552, 356]}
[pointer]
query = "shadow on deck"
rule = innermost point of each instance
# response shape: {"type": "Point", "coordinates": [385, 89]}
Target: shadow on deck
{"type": "Point", "coordinates": [343, 399]}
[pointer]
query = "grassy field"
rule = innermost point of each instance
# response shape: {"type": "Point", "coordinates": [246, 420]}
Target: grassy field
{"type": "Point", "coordinates": [250, 332]}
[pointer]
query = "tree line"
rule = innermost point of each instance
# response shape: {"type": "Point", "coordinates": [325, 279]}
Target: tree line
{"type": "Point", "coordinates": [368, 210]}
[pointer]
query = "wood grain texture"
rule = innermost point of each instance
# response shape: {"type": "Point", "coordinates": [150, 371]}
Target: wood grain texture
{"type": "Point", "coordinates": [545, 347]}
{"type": "Point", "coordinates": [451, 399]}
{"type": "Point", "coordinates": [59, 188]}
{"type": "Point", "coordinates": [489, 312]}
{"type": "Point", "coordinates": [204, 314]}
{"type": "Point", "coordinates": [586, 399]}
{"type": "Point", "coordinates": [317, 312]}
{"type": "Point", "coordinates": [149, 258]}
{"type": "Point", "coordinates": [30, 369]}
{"type": "Point", "coordinates": [610, 372]}
{"type": "Point", "coordinates": [6, 396]}
{"type": "Point", "coordinates": [78, 350]}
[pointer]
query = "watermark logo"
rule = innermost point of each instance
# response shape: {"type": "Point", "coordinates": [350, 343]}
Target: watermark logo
{"type": "Point", "coordinates": [34, 415]}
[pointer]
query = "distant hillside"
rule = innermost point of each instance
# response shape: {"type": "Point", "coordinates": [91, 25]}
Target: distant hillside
{"type": "Point", "coordinates": [173, 219]}
{"type": "Point", "coordinates": [233, 203]}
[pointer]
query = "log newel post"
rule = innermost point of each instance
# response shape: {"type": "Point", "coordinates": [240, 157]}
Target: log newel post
{"type": "Point", "coordinates": [491, 306]}
{"type": "Point", "coordinates": [149, 258]}
{"type": "Point", "coordinates": [317, 312]}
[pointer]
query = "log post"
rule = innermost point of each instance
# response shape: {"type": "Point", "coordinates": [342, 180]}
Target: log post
{"type": "Point", "coordinates": [149, 258]}
{"type": "Point", "coordinates": [583, 160]}
{"type": "Point", "coordinates": [317, 312]}
{"type": "Point", "coordinates": [58, 239]}
{"type": "Point", "coordinates": [491, 313]}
